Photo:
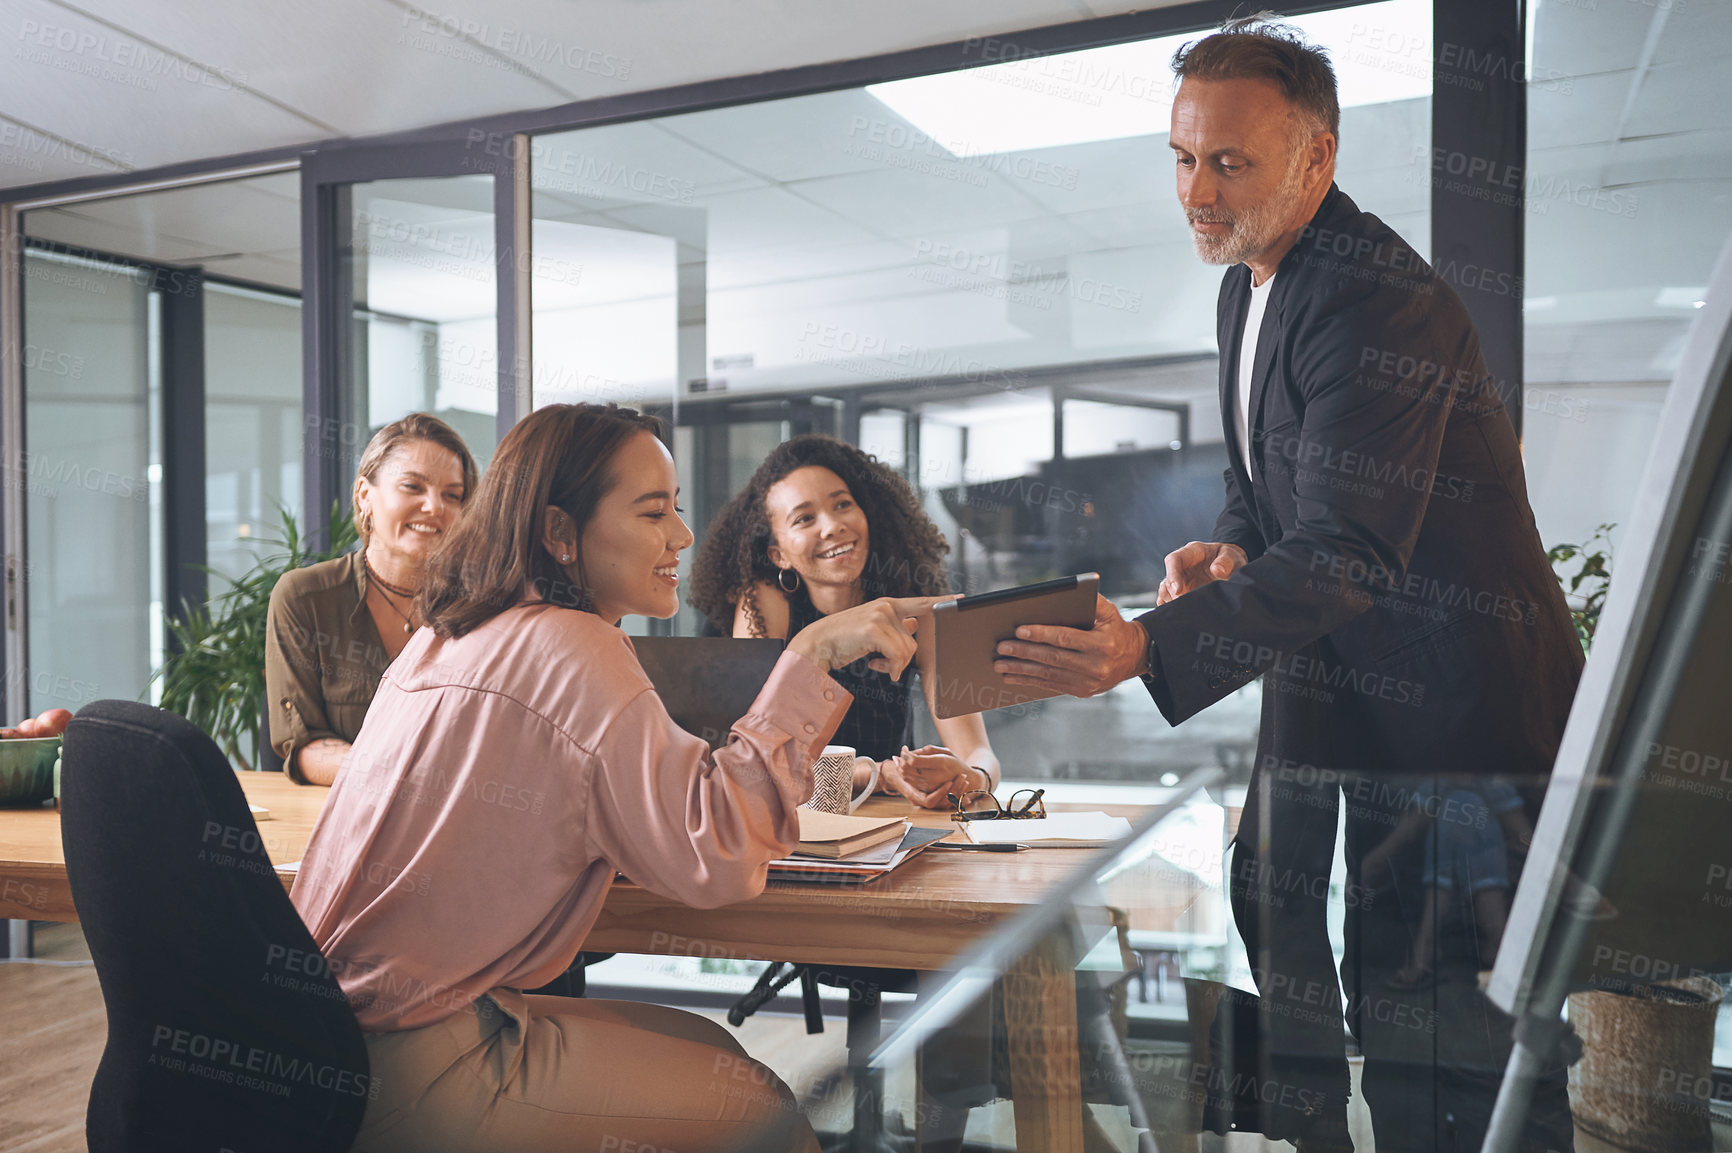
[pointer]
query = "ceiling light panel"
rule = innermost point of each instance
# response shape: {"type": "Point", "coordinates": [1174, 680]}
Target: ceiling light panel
{"type": "Point", "coordinates": [1381, 52]}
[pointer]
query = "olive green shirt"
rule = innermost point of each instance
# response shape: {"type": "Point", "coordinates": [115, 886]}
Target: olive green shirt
{"type": "Point", "coordinates": [323, 656]}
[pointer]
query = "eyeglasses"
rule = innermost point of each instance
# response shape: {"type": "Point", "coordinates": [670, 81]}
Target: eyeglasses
{"type": "Point", "coordinates": [981, 805]}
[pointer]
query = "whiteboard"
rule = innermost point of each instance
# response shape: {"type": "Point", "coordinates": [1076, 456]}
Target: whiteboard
{"type": "Point", "coordinates": [1640, 799]}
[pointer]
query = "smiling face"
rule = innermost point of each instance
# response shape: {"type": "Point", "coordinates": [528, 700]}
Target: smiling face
{"type": "Point", "coordinates": [819, 529]}
{"type": "Point", "coordinates": [1249, 176]}
{"type": "Point", "coordinates": [631, 546]}
{"type": "Point", "coordinates": [415, 499]}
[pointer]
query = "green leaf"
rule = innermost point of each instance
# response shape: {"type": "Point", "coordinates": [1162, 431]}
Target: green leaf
{"type": "Point", "coordinates": [1589, 582]}
{"type": "Point", "coordinates": [215, 674]}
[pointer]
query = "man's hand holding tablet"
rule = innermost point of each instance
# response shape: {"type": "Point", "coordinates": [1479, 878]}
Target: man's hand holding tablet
{"type": "Point", "coordinates": [1052, 659]}
{"type": "Point", "coordinates": [961, 651]}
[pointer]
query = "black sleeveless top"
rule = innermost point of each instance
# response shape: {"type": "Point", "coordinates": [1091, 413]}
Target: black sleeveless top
{"type": "Point", "coordinates": [879, 722]}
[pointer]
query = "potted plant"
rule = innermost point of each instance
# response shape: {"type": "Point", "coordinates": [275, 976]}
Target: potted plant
{"type": "Point", "coordinates": [1633, 1033]}
{"type": "Point", "coordinates": [214, 675]}
{"type": "Point", "coordinates": [1585, 588]}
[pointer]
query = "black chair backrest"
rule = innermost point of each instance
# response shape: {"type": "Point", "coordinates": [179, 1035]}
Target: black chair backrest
{"type": "Point", "coordinates": [226, 1029]}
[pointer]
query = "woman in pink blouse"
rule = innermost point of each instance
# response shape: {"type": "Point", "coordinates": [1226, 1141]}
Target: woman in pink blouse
{"type": "Point", "coordinates": [514, 759]}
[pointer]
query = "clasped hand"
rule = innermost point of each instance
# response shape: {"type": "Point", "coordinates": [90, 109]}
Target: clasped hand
{"type": "Point", "coordinates": [928, 775]}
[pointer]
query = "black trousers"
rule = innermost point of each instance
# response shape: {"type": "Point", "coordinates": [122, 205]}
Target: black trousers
{"type": "Point", "coordinates": [1435, 1048]}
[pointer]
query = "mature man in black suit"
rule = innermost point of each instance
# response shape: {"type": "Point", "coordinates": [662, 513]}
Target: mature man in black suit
{"type": "Point", "coordinates": [1377, 564]}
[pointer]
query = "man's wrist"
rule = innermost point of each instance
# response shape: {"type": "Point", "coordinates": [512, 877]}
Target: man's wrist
{"type": "Point", "coordinates": [1145, 643]}
{"type": "Point", "coordinates": [1145, 663]}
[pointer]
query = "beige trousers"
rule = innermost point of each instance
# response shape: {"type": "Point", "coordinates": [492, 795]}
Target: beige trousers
{"type": "Point", "coordinates": [524, 1074]}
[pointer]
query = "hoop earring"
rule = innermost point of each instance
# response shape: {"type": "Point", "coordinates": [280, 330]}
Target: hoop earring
{"type": "Point", "coordinates": [781, 579]}
{"type": "Point", "coordinates": [366, 523]}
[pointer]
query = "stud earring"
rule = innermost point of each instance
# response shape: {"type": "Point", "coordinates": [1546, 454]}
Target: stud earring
{"type": "Point", "coordinates": [564, 558]}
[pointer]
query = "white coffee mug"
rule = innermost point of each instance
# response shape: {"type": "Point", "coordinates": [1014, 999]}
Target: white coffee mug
{"type": "Point", "coordinates": [833, 780]}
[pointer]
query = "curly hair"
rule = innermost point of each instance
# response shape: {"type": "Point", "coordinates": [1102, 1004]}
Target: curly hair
{"type": "Point", "coordinates": [906, 556]}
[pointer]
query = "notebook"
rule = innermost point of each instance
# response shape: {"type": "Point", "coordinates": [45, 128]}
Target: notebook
{"type": "Point", "coordinates": [860, 868]}
{"type": "Point", "coordinates": [833, 835]}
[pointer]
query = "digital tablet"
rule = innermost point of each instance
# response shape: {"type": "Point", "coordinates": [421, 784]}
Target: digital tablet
{"type": "Point", "coordinates": [966, 631]}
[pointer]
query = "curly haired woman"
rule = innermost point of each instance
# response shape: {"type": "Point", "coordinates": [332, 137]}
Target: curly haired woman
{"type": "Point", "coordinates": [822, 527]}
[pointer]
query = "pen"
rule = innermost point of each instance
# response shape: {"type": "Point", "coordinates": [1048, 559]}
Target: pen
{"type": "Point", "coordinates": [995, 847]}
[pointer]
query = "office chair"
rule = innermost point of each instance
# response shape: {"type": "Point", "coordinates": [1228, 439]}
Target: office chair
{"type": "Point", "coordinates": [866, 987]}
{"type": "Point", "coordinates": [226, 1029]}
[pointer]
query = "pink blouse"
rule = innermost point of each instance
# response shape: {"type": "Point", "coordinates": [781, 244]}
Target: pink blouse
{"type": "Point", "coordinates": [499, 782]}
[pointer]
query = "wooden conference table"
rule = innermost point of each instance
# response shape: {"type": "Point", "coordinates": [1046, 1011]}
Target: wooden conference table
{"type": "Point", "coordinates": [919, 917]}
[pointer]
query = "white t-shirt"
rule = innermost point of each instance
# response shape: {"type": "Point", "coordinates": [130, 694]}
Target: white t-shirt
{"type": "Point", "coordinates": [1248, 357]}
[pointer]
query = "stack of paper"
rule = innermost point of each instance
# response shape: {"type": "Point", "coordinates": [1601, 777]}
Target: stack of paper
{"type": "Point", "coordinates": [858, 868]}
{"type": "Point", "coordinates": [1058, 831]}
{"type": "Point", "coordinates": [833, 835]}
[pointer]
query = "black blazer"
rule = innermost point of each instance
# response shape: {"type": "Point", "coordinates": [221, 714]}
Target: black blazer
{"type": "Point", "coordinates": [1398, 600]}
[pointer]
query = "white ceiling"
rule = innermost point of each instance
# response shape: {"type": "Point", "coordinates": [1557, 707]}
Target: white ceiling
{"type": "Point", "coordinates": [114, 85]}
{"type": "Point", "coordinates": [798, 216]}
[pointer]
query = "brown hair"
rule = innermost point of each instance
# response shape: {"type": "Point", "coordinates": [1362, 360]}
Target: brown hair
{"type": "Point", "coordinates": [1260, 47]}
{"type": "Point", "coordinates": [415, 426]}
{"type": "Point", "coordinates": [906, 550]}
{"type": "Point", "coordinates": [556, 457]}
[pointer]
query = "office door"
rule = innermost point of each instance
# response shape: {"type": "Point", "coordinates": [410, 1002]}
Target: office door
{"type": "Point", "coordinates": [416, 290]}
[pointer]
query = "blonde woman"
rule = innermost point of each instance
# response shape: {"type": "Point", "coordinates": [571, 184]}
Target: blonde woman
{"type": "Point", "coordinates": [333, 627]}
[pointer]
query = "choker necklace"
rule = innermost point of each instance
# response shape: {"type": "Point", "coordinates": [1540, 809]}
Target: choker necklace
{"type": "Point", "coordinates": [383, 587]}
{"type": "Point", "coordinates": [374, 576]}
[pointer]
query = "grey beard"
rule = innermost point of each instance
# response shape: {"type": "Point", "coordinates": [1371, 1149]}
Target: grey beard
{"type": "Point", "coordinates": [1255, 228]}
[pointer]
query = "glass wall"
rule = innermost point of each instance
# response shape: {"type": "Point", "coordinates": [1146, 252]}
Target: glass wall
{"type": "Point", "coordinates": [252, 420]}
{"type": "Point", "coordinates": [93, 574]}
{"type": "Point", "coordinates": [99, 277]}
{"type": "Point", "coordinates": [423, 275]}
{"type": "Point", "coordinates": [983, 277]}
{"type": "Point", "coordinates": [1629, 185]}
{"type": "Point", "coordinates": [1630, 202]}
